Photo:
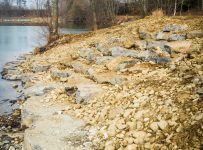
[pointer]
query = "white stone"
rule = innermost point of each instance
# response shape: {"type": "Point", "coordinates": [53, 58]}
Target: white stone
{"type": "Point", "coordinates": [163, 124]}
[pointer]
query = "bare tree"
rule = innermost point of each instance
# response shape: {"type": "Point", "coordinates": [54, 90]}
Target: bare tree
{"type": "Point", "coordinates": [54, 20]}
{"type": "Point", "coordinates": [93, 9]}
{"type": "Point", "coordinates": [175, 8]}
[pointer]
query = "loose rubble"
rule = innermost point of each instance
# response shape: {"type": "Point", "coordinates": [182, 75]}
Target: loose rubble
{"type": "Point", "coordinates": [136, 86]}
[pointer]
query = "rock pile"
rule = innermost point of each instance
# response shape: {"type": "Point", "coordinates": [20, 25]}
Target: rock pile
{"type": "Point", "coordinates": [137, 86]}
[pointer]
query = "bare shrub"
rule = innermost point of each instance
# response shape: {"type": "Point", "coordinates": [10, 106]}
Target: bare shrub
{"type": "Point", "coordinates": [158, 13]}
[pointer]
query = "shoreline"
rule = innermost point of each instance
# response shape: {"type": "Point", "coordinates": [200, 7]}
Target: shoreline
{"type": "Point", "coordinates": [110, 90]}
{"type": "Point", "coordinates": [22, 24]}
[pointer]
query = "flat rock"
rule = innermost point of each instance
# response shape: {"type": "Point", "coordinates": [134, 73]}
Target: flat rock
{"type": "Point", "coordinates": [40, 89]}
{"type": "Point", "coordinates": [180, 46]}
{"type": "Point", "coordinates": [177, 37]}
{"type": "Point", "coordinates": [159, 44]}
{"type": "Point", "coordinates": [80, 67]}
{"type": "Point", "coordinates": [174, 27]}
{"type": "Point", "coordinates": [120, 51]}
{"type": "Point", "coordinates": [120, 63]}
{"type": "Point", "coordinates": [105, 51]}
{"type": "Point", "coordinates": [162, 36]}
{"type": "Point", "coordinates": [195, 34]}
{"type": "Point", "coordinates": [60, 73]}
{"type": "Point", "coordinates": [39, 67]}
{"type": "Point", "coordinates": [88, 92]}
{"type": "Point", "coordinates": [106, 77]}
{"type": "Point", "coordinates": [89, 54]}
{"type": "Point", "coordinates": [48, 130]}
{"type": "Point", "coordinates": [103, 60]}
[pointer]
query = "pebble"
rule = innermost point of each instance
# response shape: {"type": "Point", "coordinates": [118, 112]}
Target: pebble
{"type": "Point", "coordinates": [163, 124]}
{"type": "Point", "coordinates": [131, 147]}
{"type": "Point", "coordinates": [154, 126]}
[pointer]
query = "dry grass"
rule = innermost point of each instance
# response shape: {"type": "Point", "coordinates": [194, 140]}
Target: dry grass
{"type": "Point", "coordinates": [158, 13]}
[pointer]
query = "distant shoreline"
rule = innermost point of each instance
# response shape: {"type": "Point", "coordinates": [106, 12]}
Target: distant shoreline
{"type": "Point", "coordinates": [23, 21]}
{"type": "Point", "coordinates": [21, 24]}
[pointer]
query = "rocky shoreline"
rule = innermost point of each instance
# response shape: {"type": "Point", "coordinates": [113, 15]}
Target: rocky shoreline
{"type": "Point", "coordinates": [11, 130]}
{"type": "Point", "coordinates": [133, 86]}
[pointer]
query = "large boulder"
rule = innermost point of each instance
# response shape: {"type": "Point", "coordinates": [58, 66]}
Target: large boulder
{"type": "Point", "coordinates": [56, 73]}
{"type": "Point", "coordinates": [40, 89]}
{"type": "Point", "coordinates": [103, 60]}
{"type": "Point", "coordinates": [89, 54]}
{"type": "Point", "coordinates": [105, 51]}
{"type": "Point", "coordinates": [162, 36]}
{"type": "Point", "coordinates": [11, 71]}
{"type": "Point", "coordinates": [177, 37]}
{"type": "Point", "coordinates": [159, 44]}
{"type": "Point", "coordinates": [119, 63]}
{"type": "Point", "coordinates": [195, 34]}
{"type": "Point", "coordinates": [179, 46]}
{"type": "Point", "coordinates": [149, 55]}
{"type": "Point", "coordinates": [120, 51]}
{"type": "Point", "coordinates": [174, 27]}
{"type": "Point", "coordinates": [40, 67]}
{"type": "Point", "coordinates": [144, 34]}
{"type": "Point", "coordinates": [80, 67]}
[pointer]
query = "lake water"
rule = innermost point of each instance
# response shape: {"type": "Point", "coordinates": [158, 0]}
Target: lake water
{"type": "Point", "coordinates": [16, 41]}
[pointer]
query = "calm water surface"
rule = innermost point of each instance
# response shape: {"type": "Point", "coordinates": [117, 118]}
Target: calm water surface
{"type": "Point", "coordinates": [16, 41]}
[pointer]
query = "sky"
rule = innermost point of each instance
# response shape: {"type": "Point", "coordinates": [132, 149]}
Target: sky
{"type": "Point", "coordinates": [30, 3]}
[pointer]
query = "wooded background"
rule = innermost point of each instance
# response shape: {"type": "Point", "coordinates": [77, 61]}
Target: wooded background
{"type": "Point", "coordinates": [98, 13]}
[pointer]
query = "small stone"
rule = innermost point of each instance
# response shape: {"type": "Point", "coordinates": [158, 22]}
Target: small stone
{"type": "Point", "coordinates": [131, 147]}
{"type": "Point", "coordinates": [163, 124]}
{"type": "Point", "coordinates": [199, 117]}
{"type": "Point", "coordinates": [140, 137]}
{"type": "Point", "coordinates": [179, 129]}
{"type": "Point", "coordinates": [11, 148]}
{"type": "Point", "coordinates": [154, 126]}
{"type": "Point", "coordinates": [146, 119]}
{"type": "Point", "coordinates": [109, 145]}
{"type": "Point", "coordinates": [15, 86]}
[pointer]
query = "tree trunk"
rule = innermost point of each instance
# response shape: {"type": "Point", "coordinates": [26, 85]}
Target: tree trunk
{"type": "Point", "coordinates": [181, 7]}
{"type": "Point", "coordinates": [94, 15]}
{"type": "Point", "coordinates": [202, 4]}
{"type": "Point", "coordinates": [175, 8]}
{"type": "Point", "coordinates": [145, 7]}
{"type": "Point", "coordinates": [54, 20]}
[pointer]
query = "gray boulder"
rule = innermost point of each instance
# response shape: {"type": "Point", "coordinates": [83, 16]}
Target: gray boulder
{"type": "Point", "coordinates": [89, 54]}
{"type": "Point", "coordinates": [60, 73]}
{"type": "Point", "coordinates": [152, 56]}
{"type": "Point", "coordinates": [40, 67]}
{"type": "Point", "coordinates": [174, 27]}
{"type": "Point", "coordinates": [105, 51]}
{"type": "Point", "coordinates": [120, 51]}
{"type": "Point", "coordinates": [103, 60]}
{"type": "Point", "coordinates": [145, 35]}
{"type": "Point", "coordinates": [177, 37]}
{"type": "Point", "coordinates": [40, 89]}
{"type": "Point", "coordinates": [159, 44]}
{"type": "Point", "coordinates": [162, 36]}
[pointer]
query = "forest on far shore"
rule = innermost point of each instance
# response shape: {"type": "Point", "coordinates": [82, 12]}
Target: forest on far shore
{"type": "Point", "coordinates": [106, 12]}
